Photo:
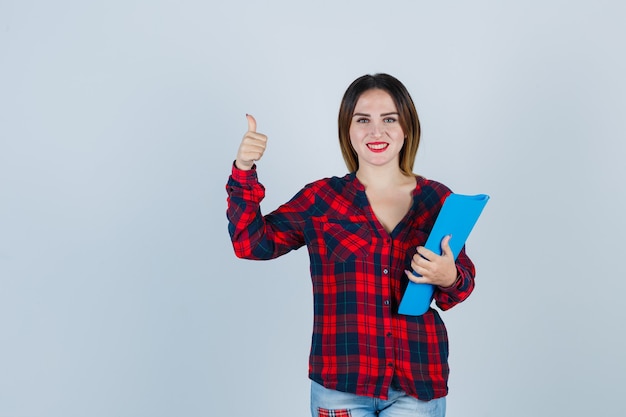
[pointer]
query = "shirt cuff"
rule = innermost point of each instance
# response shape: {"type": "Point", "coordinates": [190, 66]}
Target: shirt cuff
{"type": "Point", "coordinates": [244, 175]}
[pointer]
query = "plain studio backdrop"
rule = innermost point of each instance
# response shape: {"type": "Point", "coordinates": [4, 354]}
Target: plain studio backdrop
{"type": "Point", "coordinates": [120, 294]}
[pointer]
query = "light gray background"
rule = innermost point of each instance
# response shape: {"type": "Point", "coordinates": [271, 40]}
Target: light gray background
{"type": "Point", "coordinates": [119, 120]}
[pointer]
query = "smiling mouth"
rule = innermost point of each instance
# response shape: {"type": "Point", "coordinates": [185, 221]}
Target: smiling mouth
{"type": "Point", "coordinates": [378, 146]}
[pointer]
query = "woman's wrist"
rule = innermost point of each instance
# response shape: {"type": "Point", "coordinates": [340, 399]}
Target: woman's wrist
{"type": "Point", "coordinates": [456, 281]}
{"type": "Point", "coordinates": [243, 166]}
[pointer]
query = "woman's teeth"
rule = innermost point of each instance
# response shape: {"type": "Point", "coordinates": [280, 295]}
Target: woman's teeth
{"type": "Point", "coordinates": [377, 146]}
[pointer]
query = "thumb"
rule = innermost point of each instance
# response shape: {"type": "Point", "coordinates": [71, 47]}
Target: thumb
{"type": "Point", "coordinates": [251, 123]}
{"type": "Point", "coordinates": [445, 246]}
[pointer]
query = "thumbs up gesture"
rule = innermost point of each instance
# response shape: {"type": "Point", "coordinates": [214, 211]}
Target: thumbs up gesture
{"type": "Point", "coordinates": [252, 146]}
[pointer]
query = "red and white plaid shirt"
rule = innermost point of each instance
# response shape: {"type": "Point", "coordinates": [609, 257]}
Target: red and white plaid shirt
{"type": "Point", "coordinates": [360, 342]}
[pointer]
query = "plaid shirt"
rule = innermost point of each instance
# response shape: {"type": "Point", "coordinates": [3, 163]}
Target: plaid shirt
{"type": "Point", "coordinates": [360, 343]}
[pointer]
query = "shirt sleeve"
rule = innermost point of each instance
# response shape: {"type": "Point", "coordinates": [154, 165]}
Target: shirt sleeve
{"type": "Point", "coordinates": [253, 235]}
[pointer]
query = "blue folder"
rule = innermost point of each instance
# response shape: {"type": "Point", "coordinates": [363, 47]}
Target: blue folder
{"type": "Point", "coordinates": [457, 217]}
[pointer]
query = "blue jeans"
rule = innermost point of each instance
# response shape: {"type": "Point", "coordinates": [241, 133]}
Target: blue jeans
{"type": "Point", "coordinates": [330, 403]}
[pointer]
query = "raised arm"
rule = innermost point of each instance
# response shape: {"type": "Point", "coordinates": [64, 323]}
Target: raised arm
{"type": "Point", "coordinates": [253, 235]}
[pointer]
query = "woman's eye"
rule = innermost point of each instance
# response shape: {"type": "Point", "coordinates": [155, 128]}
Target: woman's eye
{"type": "Point", "coordinates": [362, 120]}
{"type": "Point", "coordinates": [389, 120]}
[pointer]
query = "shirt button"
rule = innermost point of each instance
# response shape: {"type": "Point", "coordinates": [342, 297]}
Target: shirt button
{"type": "Point", "coordinates": [385, 271]}
{"type": "Point", "coordinates": [386, 302]}
{"type": "Point", "coordinates": [389, 334]}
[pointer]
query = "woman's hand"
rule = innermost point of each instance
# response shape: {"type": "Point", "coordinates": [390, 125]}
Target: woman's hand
{"type": "Point", "coordinates": [434, 269]}
{"type": "Point", "coordinates": [252, 146]}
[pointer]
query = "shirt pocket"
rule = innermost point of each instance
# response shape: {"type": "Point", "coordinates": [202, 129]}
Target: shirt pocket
{"type": "Point", "coordinates": [347, 239]}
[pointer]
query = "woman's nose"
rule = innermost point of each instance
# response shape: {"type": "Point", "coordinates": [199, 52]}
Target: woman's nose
{"type": "Point", "coordinates": [376, 129]}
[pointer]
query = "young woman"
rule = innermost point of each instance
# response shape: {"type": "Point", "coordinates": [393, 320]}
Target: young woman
{"type": "Point", "coordinates": [364, 233]}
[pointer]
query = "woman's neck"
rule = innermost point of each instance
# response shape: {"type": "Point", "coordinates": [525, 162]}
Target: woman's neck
{"type": "Point", "coordinates": [381, 177]}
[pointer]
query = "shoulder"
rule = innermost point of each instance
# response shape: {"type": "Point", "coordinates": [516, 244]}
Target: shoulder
{"type": "Point", "coordinates": [430, 193]}
{"type": "Point", "coordinates": [326, 193]}
{"type": "Point", "coordinates": [337, 184]}
{"type": "Point", "coordinates": [427, 185]}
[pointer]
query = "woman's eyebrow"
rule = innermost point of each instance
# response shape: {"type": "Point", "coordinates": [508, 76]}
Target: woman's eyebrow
{"type": "Point", "coordinates": [381, 115]}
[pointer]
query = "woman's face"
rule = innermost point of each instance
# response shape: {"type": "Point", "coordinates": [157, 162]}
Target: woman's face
{"type": "Point", "coordinates": [375, 131]}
